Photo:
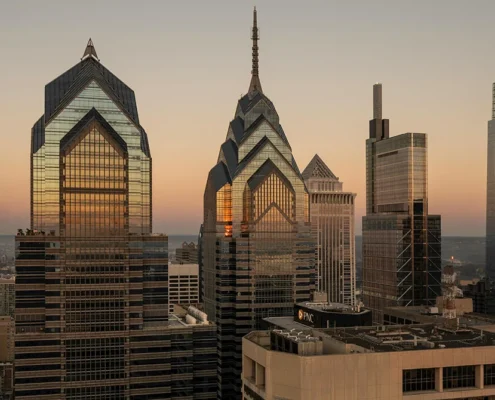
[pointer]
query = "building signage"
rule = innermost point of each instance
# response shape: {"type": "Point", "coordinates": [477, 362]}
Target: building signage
{"type": "Point", "coordinates": [305, 316]}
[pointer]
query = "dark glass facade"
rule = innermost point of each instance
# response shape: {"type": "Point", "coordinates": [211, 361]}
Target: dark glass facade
{"type": "Point", "coordinates": [401, 242]}
{"type": "Point", "coordinates": [257, 249]}
{"type": "Point", "coordinates": [92, 280]}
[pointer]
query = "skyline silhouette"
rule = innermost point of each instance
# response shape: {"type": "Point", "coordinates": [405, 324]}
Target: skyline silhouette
{"type": "Point", "coordinates": [318, 63]}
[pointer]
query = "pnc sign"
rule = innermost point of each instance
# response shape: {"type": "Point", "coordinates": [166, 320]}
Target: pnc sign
{"type": "Point", "coordinates": [305, 316]}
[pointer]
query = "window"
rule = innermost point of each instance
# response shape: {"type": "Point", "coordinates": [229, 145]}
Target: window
{"type": "Point", "coordinates": [459, 377]}
{"type": "Point", "coordinates": [489, 374]}
{"type": "Point", "coordinates": [422, 379]}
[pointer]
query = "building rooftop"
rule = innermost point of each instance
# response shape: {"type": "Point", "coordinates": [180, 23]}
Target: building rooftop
{"type": "Point", "coordinates": [286, 323]}
{"type": "Point", "coordinates": [334, 307]}
{"type": "Point", "coordinates": [384, 338]}
{"type": "Point", "coordinates": [422, 315]}
{"type": "Point", "coordinates": [411, 337]}
{"type": "Point", "coordinates": [185, 316]}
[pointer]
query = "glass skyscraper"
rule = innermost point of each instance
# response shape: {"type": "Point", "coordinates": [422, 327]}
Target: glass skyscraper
{"type": "Point", "coordinates": [401, 242]}
{"type": "Point", "coordinates": [490, 201]}
{"type": "Point", "coordinates": [92, 280]}
{"type": "Point", "coordinates": [257, 250]}
{"type": "Point", "coordinates": [332, 224]}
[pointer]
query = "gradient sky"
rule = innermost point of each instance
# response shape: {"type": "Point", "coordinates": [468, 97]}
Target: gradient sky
{"type": "Point", "coordinates": [189, 61]}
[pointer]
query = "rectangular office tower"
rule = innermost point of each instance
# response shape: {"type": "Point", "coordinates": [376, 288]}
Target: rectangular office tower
{"type": "Point", "coordinates": [91, 312]}
{"type": "Point", "coordinates": [490, 201]}
{"type": "Point", "coordinates": [401, 242]}
{"type": "Point", "coordinates": [257, 250]}
{"type": "Point", "coordinates": [332, 225]}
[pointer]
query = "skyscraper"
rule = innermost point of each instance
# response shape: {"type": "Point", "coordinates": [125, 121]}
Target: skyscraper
{"type": "Point", "coordinates": [92, 280]}
{"type": "Point", "coordinates": [257, 251]}
{"type": "Point", "coordinates": [332, 224]}
{"type": "Point", "coordinates": [490, 197]}
{"type": "Point", "coordinates": [401, 242]}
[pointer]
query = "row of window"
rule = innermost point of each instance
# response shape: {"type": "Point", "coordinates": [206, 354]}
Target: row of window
{"type": "Point", "coordinates": [423, 379]}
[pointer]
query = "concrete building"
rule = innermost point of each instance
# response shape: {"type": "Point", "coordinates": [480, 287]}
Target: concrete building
{"type": "Point", "coordinates": [183, 285]}
{"type": "Point", "coordinates": [332, 225]}
{"type": "Point", "coordinates": [401, 241]}
{"type": "Point", "coordinates": [421, 362]}
{"type": "Point", "coordinates": [7, 295]}
{"type": "Point", "coordinates": [187, 253]}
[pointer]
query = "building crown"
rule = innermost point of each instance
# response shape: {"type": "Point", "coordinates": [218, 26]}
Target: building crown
{"type": "Point", "coordinates": [90, 51]}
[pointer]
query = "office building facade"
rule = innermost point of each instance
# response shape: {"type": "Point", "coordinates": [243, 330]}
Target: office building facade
{"type": "Point", "coordinates": [420, 362]}
{"type": "Point", "coordinates": [401, 241]}
{"type": "Point", "coordinates": [92, 279]}
{"type": "Point", "coordinates": [183, 282]}
{"type": "Point", "coordinates": [332, 225]}
{"type": "Point", "coordinates": [257, 250]}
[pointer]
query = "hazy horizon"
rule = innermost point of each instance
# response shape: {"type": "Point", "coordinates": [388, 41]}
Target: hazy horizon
{"type": "Point", "coordinates": [189, 62]}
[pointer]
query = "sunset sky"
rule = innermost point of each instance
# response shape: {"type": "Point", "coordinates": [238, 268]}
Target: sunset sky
{"type": "Point", "coordinates": [189, 62]}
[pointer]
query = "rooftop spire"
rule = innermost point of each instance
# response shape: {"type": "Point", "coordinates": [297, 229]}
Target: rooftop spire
{"type": "Point", "coordinates": [255, 85]}
{"type": "Point", "coordinates": [90, 51]}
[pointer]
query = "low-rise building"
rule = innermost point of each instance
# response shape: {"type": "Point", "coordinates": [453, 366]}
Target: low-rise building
{"type": "Point", "coordinates": [420, 362]}
{"type": "Point", "coordinates": [187, 254]}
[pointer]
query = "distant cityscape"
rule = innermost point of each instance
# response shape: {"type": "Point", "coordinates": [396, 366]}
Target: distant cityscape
{"type": "Point", "coordinates": [468, 253]}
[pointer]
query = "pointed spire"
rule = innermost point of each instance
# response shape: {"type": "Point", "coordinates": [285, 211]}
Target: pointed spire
{"type": "Point", "coordinates": [90, 51]}
{"type": "Point", "coordinates": [255, 85]}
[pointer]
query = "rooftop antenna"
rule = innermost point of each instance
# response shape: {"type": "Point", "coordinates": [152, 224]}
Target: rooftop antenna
{"type": "Point", "coordinates": [377, 101]}
{"type": "Point", "coordinates": [255, 85]}
{"type": "Point", "coordinates": [90, 51]}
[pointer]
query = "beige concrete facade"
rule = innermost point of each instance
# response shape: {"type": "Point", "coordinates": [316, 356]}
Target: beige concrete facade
{"type": "Point", "coordinates": [364, 376]}
{"type": "Point", "coordinates": [183, 285]}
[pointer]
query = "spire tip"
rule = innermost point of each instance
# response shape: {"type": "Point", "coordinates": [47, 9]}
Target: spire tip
{"type": "Point", "coordinates": [90, 51]}
{"type": "Point", "coordinates": [255, 85]}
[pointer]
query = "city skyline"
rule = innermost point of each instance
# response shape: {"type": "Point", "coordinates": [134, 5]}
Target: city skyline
{"type": "Point", "coordinates": [430, 88]}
